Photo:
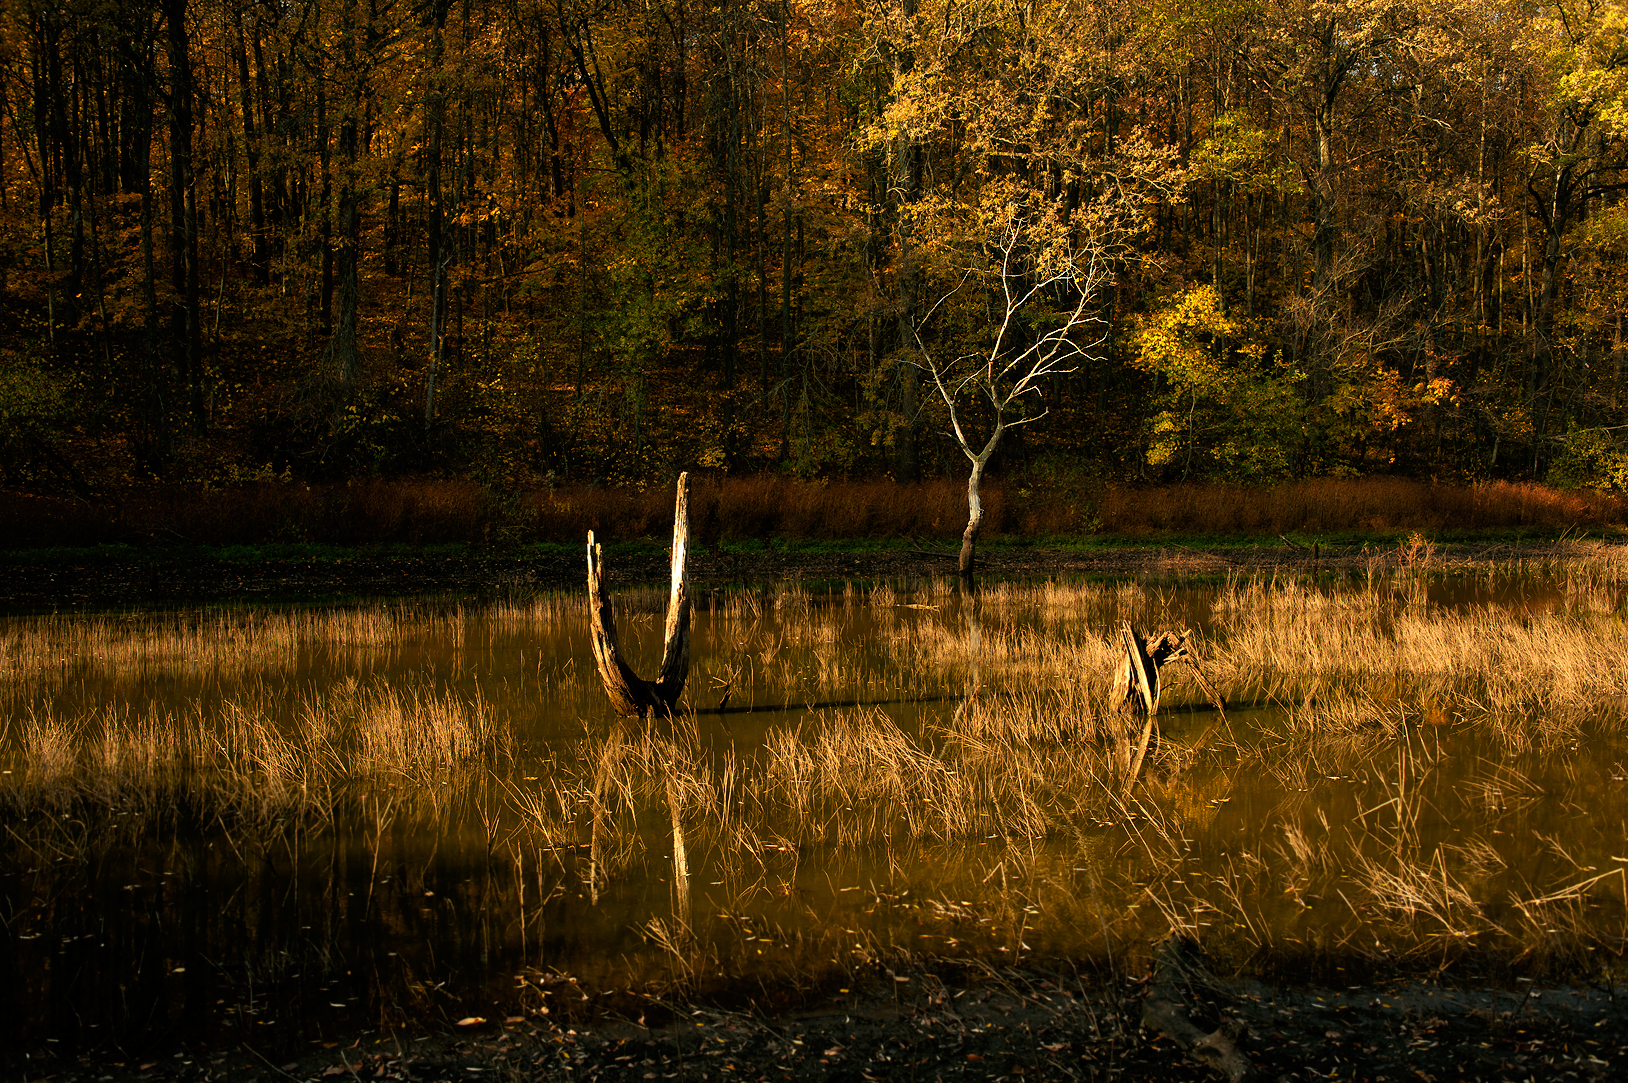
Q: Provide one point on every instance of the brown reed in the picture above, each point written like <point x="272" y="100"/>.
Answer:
<point x="1024" y="751"/>
<point x="422" y="511"/>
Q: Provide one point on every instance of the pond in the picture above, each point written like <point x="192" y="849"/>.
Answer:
<point x="279" y="826"/>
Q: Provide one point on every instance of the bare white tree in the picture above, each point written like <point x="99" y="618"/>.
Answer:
<point x="1044" y="279"/>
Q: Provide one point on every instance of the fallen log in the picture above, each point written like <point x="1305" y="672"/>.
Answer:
<point x="629" y="693"/>
<point x="1178" y="967"/>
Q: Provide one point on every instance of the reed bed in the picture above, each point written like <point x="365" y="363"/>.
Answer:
<point x="847" y="778"/>
<point x="1383" y="788"/>
<point x="238" y="761"/>
<point x="1352" y="504"/>
<point x="1420" y="880"/>
<point x="423" y="511"/>
<point x="226" y="642"/>
<point x="1337" y="657"/>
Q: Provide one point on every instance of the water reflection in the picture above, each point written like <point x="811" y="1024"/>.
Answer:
<point x="900" y="773"/>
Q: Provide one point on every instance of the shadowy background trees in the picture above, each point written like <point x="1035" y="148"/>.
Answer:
<point x="528" y="242"/>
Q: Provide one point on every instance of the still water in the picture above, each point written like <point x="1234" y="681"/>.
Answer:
<point x="875" y="778"/>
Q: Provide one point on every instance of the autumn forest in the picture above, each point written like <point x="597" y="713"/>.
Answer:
<point x="528" y="242"/>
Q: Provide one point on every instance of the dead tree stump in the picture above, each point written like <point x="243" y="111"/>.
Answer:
<point x="1136" y="683"/>
<point x="629" y="693"/>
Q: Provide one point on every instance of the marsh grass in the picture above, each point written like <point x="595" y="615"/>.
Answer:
<point x="1338" y="659"/>
<point x="228" y="643"/>
<point x="1351" y="505"/>
<point x="750" y="508"/>
<point x="238" y="762"/>
<point x="1384" y="789"/>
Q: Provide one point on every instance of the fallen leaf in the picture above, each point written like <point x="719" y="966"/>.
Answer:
<point x="332" y="1070"/>
<point x="471" y="1020"/>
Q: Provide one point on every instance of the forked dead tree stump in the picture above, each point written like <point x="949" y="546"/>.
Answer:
<point x="629" y="693"/>
<point x="1136" y="683"/>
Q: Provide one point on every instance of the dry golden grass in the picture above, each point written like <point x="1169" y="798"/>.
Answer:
<point x="1037" y="754"/>
<point x="241" y="759"/>
<point x="225" y="642"/>
<point x="1337" y="658"/>
<point x="972" y="738"/>
<point x="1378" y="656"/>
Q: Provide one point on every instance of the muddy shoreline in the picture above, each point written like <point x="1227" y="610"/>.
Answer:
<point x="47" y="585"/>
<point x="1009" y="1025"/>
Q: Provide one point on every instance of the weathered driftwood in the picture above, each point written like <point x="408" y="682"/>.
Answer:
<point x="1177" y="967"/>
<point x="1136" y="682"/>
<point x="630" y="694"/>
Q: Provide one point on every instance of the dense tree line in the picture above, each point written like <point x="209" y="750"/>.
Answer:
<point x="596" y="239"/>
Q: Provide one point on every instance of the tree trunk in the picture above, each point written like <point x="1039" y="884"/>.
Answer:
<point x="325" y="213"/>
<point x="785" y="243"/>
<point x="1555" y="222"/>
<point x="343" y="343"/>
<point x="437" y="333"/>
<point x="1137" y="683"/>
<point x="183" y="213"/>
<point x="975" y="505"/>
<point x="436" y="110"/>
<point x="906" y="181"/>
<point x="259" y="255"/>
<point x="629" y="694"/>
<point x="46" y="46"/>
<point x="545" y="92"/>
<point x="1322" y="201"/>
<point x="975" y="513"/>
